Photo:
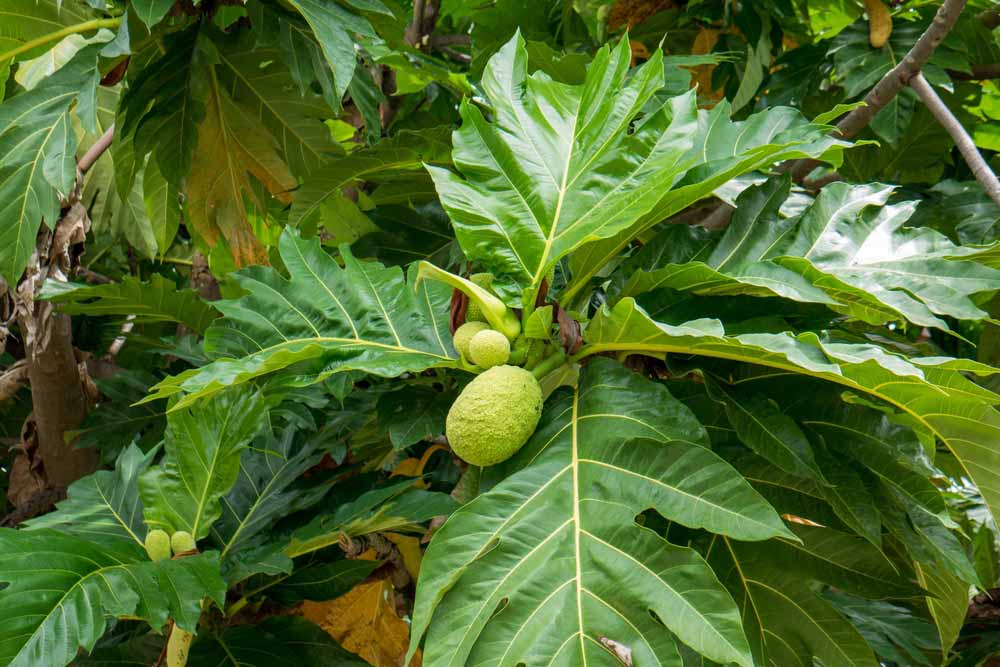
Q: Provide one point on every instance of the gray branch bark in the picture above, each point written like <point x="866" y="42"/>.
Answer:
<point x="889" y="86"/>
<point x="962" y="140"/>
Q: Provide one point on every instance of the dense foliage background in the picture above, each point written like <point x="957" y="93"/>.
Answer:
<point x="750" y="249"/>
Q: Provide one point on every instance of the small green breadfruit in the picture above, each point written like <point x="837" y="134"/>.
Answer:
<point x="494" y="415"/>
<point x="474" y="313"/>
<point x="489" y="348"/>
<point x="182" y="542"/>
<point x="464" y="334"/>
<point x="158" y="545"/>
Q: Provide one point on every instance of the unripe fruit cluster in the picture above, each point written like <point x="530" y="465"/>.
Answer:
<point x="160" y="545"/>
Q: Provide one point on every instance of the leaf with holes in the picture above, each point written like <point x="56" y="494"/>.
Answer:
<point x="550" y="560"/>
<point x="932" y="391"/>
<point x="60" y="590"/>
<point x="361" y="317"/>
<point x="202" y="462"/>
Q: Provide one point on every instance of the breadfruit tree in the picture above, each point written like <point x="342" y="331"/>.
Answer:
<point x="621" y="332"/>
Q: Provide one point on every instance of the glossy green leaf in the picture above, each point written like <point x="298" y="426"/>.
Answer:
<point x="202" y="447"/>
<point x="786" y="621"/>
<point x="567" y="169"/>
<point x="396" y="507"/>
<point x="61" y="589"/>
<point x="27" y="20"/>
<point x="554" y="547"/>
<point x="151" y="12"/>
<point x="762" y="427"/>
<point x="846" y="502"/>
<point x="158" y="300"/>
<point x="853" y="246"/>
<point x="38" y="148"/>
<point x="362" y="317"/>
<point x="258" y="79"/>
<point x="412" y="414"/>
<point x="161" y="110"/>
<point x="848" y="250"/>
<point x="894" y="632"/>
<point x="332" y="24"/>
<point x="32" y="72"/>
<point x="929" y="390"/>
<point x="103" y="507"/>
<point x="402" y="157"/>
<point x="948" y="602"/>
<point x="734" y="263"/>
<point x="265" y="489"/>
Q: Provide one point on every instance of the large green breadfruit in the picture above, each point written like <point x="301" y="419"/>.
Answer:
<point x="494" y="415"/>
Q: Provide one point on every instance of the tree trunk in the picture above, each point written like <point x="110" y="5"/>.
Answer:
<point x="57" y="397"/>
<point x="59" y="402"/>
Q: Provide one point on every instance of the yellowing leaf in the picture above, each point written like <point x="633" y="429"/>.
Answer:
<point x="364" y="621"/>
<point x="232" y="145"/>
<point x="414" y="467"/>
<point x="703" y="44"/>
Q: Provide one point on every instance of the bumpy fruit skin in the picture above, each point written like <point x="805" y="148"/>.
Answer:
<point x="489" y="348"/>
<point x="464" y="334"/>
<point x="494" y="415"/>
<point x="158" y="545"/>
<point x="474" y="313"/>
<point x="182" y="542"/>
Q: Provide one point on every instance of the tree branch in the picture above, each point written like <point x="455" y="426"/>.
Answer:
<point x="414" y="31"/>
<point x="889" y="86"/>
<point x="966" y="147"/>
<point x="94" y="152"/>
<point x="450" y="40"/>
<point x="457" y="56"/>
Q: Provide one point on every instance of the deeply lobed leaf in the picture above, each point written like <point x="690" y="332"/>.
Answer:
<point x="361" y="317"/>
<point x="60" y="590"/>
<point x="550" y="560"/>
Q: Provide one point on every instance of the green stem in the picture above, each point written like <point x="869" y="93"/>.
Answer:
<point x="86" y="26"/>
<point x="584" y="351"/>
<point x="176" y="260"/>
<point x="549" y="364"/>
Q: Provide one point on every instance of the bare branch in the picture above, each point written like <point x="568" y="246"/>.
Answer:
<point x="450" y="40"/>
<point x="95" y="151"/>
<point x="966" y="147"/>
<point x="414" y="31"/>
<point x="457" y="56"/>
<point x="119" y="342"/>
<point x="889" y="86"/>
